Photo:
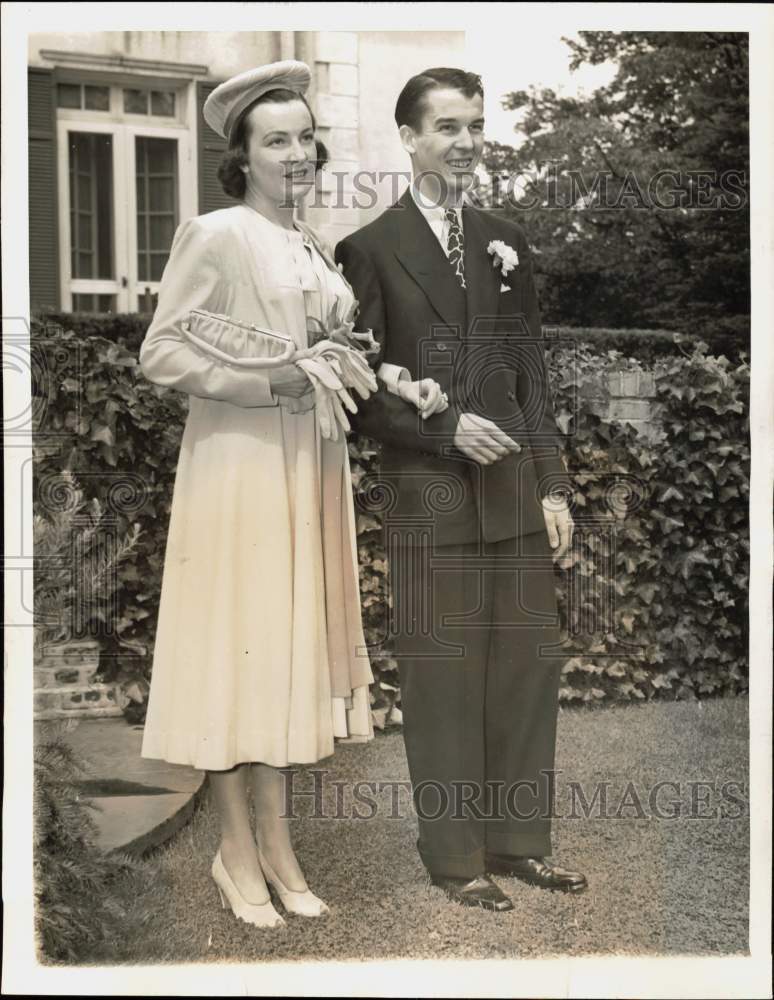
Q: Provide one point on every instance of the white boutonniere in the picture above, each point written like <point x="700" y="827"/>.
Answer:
<point x="505" y="257"/>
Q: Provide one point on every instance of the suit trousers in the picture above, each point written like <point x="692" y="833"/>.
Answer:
<point x="476" y="636"/>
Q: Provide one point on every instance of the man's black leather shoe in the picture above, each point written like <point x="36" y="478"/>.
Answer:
<point x="479" y="891"/>
<point x="536" y="871"/>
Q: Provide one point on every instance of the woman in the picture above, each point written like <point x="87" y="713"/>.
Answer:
<point x="260" y="658"/>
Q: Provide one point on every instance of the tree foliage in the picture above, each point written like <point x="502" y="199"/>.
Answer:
<point x="636" y="196"/>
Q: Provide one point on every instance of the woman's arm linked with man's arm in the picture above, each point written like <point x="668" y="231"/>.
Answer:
<point x="391" y="419"/>
<point x="388" y="415"/>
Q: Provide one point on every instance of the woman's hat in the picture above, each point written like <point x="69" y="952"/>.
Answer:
<point x="229" y="99"/>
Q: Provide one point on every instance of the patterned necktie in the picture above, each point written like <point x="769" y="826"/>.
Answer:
<point x="455" y="245"/>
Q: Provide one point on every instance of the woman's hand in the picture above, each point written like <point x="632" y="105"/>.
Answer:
<point x="426" y="395"/>
<point x="289" y="380"/>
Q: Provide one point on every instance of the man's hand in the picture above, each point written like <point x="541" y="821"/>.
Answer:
<point x="289" y="380"/>
<point x="426" y="395"/>
<point x="481" y="440"/>
<point x="559" y="525"/>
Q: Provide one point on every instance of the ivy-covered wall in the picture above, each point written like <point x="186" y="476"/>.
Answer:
<point x="655" y="602"/>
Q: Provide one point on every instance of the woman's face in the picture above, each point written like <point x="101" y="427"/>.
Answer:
<point x="281" y="153"/>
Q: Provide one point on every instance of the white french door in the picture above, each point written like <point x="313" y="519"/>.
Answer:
<point x="123" y="189"/>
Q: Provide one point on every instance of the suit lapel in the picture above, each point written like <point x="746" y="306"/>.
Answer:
<point x="421" y="255"/>
<point x="481" y="277"/>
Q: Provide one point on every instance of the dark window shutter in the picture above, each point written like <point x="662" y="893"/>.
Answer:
<point x="211" y="150"/>
<point x="43" y="215"/>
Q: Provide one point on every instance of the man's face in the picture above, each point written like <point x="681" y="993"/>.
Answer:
<point x="449" y="143"/>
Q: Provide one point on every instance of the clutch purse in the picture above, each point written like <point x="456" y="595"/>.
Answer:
<point x="241" y="345"/>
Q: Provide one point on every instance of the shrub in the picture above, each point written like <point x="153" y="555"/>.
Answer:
<point x="679" y="571"/>
<point x="655" y="600"/>
<point x="650" y="346"/>
<point x="77" y="902"/>
<point x="76" y="560"/>
<point x="676" y="561"/>
<point x="97" y="417"/>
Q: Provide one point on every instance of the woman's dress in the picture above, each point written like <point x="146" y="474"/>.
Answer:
<point x="259" y="654"/>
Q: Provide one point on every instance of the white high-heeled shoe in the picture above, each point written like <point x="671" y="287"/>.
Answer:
<point x="258" y="914"/>
<point x="305" y="903"/>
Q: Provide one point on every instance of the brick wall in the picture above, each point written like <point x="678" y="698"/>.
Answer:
<point x="627" y="395"/>
<point x="65" y="684"/>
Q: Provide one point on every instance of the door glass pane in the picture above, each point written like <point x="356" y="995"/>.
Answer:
<point x="93" y="303"/>
<point x="162" y="156"/>
<point x="163" y="103"/>
<point x="83" y="303"/>
<point x="162" y="193"/>
<point x="97" y="98"/>
<point x="91" y="204"/>
<point x="162" y="229"/>
<point x="157" y="200"/>
<point x="136" y="102"/>
<point x="68" y="95"/>
<point x="158" y="262"/>
<point x="84" y="189"/>
<point x="84" y="231"/>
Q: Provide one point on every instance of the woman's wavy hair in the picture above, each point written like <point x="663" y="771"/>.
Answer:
<point x="230" y="174"/>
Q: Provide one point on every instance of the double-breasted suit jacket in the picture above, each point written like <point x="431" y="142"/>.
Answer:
<point x="483" y="345"/>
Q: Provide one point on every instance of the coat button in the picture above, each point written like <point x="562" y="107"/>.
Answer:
<point x="441" y="347"/>
<point x="512" y="396"/>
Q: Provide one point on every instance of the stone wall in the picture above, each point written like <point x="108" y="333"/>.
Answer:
<point x="65" y="684"/>
<point x="626" y="395"/>
<point x="333" y="59"/>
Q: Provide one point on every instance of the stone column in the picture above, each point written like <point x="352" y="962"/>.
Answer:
<point x="333" y="58"/>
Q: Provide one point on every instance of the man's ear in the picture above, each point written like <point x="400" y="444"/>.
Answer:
<point x="407" y="138"/>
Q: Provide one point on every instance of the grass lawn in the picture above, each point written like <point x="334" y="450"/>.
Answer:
<point x="656" y="885"/>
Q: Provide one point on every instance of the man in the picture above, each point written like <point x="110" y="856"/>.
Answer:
<point x="476" y="505"/>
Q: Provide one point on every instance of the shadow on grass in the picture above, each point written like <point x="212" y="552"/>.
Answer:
<point x="658" y="884"/>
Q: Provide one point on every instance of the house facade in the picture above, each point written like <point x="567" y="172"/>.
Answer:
<point x="119" y="153"/>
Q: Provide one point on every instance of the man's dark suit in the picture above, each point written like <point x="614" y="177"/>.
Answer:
<point x="479" y="699"/>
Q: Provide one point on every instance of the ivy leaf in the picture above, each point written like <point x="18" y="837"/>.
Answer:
<point x="694" y="558"/>
<point x="101" y="432"/>
<point x="563" y="420"/>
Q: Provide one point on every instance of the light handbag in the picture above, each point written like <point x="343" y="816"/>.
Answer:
<point x="241" y="345"/>
<point x="332" y="367"/>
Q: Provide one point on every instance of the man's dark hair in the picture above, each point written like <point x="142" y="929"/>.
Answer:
<point x="411" y="101"/>
<point x="230" y="174"/>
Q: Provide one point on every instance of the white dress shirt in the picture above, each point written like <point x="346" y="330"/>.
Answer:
<point x="435" y="216"/>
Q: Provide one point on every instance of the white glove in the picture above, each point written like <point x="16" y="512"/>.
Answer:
<point x="329" y="394"/>
<point x="354" y="371"/>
